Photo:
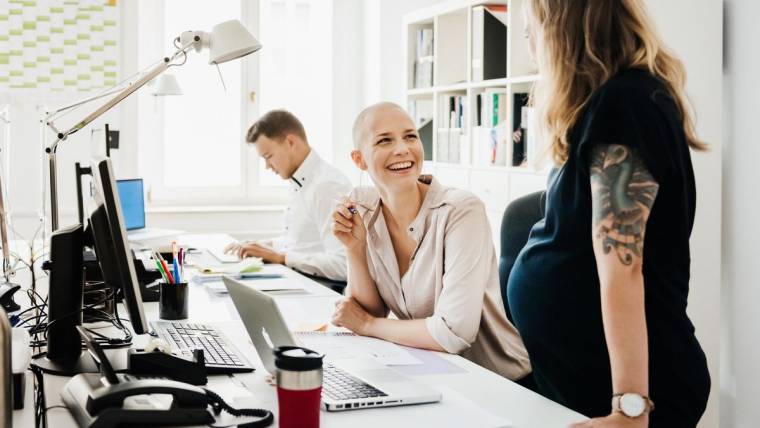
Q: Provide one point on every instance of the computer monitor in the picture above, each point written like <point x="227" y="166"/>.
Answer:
<point x="132" y="203"/>
<point x="115" y="254"/>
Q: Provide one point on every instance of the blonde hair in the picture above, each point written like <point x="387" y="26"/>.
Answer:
<point x="360" y="130"/>
<point x="582" y="44"/>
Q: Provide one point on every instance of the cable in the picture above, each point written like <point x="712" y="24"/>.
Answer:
<point x="216" y="402"/>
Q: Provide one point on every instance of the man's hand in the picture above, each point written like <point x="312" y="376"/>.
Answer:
<point x="351" y="315"/>
<point x="252" y="249"/>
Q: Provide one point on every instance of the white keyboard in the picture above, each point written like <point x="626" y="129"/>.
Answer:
<point x="218" y="253"/>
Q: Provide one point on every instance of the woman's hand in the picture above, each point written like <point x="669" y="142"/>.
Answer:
<point x="351" y="315"/>
<point x="348" y="226"/>
<point x="614" y="420"/>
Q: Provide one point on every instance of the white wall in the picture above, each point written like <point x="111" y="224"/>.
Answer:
<point x="740" y="365"/>
<point x="698" y="42"/>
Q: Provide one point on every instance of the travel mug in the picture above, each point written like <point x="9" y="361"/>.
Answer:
<point x="172" y="301"/>
<point x="299" y="386"/>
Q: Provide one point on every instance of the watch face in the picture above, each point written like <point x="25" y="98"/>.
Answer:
<point x="632" y="405"/>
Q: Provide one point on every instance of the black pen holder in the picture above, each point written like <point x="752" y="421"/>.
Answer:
<point x="172" y="301"/>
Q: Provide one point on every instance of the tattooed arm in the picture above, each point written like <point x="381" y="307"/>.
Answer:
<point x="623" y="192"/>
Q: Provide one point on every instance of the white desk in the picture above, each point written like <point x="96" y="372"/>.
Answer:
<point x="475" y="388"/>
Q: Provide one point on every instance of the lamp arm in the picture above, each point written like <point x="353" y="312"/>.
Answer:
<point x="121" y="94"/>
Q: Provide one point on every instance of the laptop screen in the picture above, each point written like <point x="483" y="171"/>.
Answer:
<point x="132" y="203"/>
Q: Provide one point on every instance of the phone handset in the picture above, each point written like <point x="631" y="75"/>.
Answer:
<point x="185" y="395"/>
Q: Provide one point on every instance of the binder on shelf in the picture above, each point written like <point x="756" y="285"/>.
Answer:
<point x="531" y="140"/>
<point x="426" y="136"/>
<point x="423" y="72"/>
<point x="519" y="127"/>
<point x="489" y="42"/>
<point x="449" y="145"/>
<point x="423" y="64"/>
<point x="490" y="146"/>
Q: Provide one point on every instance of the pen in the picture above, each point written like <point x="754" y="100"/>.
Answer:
<point x="351" y="209"/>
<point x="161" y="270"/>
<point x="182" y="262"/>
<point x="168" y="274"/>
<point x="177" y="276"/>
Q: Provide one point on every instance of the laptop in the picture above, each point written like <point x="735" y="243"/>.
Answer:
<point x="131" y="195"/>
<point x="348" y="384"/>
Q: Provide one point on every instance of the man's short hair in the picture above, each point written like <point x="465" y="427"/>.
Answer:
<point x="276" y="124"/>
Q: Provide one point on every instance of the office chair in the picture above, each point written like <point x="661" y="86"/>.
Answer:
<point x="519" y="218"/>
<point x="337" y="286"/>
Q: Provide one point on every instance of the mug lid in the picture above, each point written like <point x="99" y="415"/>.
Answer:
<point x="297" y="358"/>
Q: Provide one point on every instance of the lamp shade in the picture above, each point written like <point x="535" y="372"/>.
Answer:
<point x="166" y="84"/>
<point x="230" y="40"/>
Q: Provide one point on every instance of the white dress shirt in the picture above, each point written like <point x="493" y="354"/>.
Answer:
<point x="308" y="242"/>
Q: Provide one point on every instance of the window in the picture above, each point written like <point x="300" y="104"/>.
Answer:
<point x="296" y="68"/>
<point x="203" y="127"/>
<point x="199" y="156"/>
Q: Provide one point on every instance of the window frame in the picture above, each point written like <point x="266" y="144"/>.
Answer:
<point x="249" y="191"/>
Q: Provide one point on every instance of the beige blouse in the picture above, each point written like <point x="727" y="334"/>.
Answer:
<point x="452" y="281"/>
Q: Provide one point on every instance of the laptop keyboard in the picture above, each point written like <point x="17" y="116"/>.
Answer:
<point x="339" y="385"/>
<point x="220" y="356"/>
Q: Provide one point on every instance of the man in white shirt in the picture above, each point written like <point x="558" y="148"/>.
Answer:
<point x="308" y="244"/>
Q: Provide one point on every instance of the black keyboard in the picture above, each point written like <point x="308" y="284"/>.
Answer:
<point x="221" y="357"/>
<point x="340" y="385"/>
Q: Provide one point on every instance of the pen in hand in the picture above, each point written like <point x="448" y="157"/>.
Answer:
<point x="351" y="208"/>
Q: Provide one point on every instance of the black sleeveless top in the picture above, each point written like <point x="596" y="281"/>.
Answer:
<point x="554" y="290"/>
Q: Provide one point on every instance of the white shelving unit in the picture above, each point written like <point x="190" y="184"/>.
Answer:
<point x="451" y="22"/>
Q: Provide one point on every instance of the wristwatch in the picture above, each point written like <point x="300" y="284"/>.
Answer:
<point x="631" y="404"/>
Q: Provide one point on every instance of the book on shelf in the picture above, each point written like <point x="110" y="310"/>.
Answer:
<point x="489" y="42"/>
<point x="492" y="107"/>
<point x="454" y="108"/>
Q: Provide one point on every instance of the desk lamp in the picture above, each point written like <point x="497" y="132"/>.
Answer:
<point x="227" y="41"/>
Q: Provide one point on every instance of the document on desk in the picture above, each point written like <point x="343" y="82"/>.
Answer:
<point x="341" y="345"/>
<point x="268" y="283"/>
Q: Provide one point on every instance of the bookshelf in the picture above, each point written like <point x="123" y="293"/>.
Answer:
<point x="463" y="151"/>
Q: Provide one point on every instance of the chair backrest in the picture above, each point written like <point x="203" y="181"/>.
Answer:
<point x="519" y="218"/>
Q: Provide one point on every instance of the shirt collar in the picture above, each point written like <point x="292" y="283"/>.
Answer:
<point x="368" y="200"/>
<point x="304" y="174"/>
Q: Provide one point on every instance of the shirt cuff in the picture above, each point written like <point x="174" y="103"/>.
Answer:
<point x="295" y="260"/>
<point x="442" y="334"/>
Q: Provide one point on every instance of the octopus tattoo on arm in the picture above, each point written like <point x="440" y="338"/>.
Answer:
<point x="622" y="192"/>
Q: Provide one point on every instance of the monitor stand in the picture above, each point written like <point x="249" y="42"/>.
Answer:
<point x="64" y="346"/>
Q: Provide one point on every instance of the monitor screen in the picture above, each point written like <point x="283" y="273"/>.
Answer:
<point x="115" y="254"/>
<point x="132" y="203"/>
